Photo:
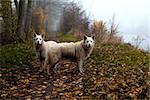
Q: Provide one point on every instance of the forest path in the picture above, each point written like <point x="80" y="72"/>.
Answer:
<point x="29" y="83"/>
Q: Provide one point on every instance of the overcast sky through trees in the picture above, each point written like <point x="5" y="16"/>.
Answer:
<point x="133" y="16"/>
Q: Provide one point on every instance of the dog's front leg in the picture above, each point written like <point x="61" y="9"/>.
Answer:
<point x="45" y="65"/>
<point x="41" y="65"/>
<point x="80" y="65"/>
<point x="41" y="62"/>
<point x="37" y="55"/>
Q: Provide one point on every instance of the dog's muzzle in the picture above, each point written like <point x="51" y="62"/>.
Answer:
<point x="38" y="42"/>
<point x="88" y="46"/>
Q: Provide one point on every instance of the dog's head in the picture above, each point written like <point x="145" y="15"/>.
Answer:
<point x="38" y="39"/>
<point x="89" y="41"/>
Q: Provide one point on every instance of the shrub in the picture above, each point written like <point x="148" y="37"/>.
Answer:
<point x="105" y="33"/>
<point x="15" y="55"/>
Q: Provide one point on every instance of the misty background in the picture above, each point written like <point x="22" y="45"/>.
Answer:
<point x="131" y="17"/>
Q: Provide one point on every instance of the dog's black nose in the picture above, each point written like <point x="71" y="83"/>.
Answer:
<point x="88" y="46"/>
<point x="38" y="42"/>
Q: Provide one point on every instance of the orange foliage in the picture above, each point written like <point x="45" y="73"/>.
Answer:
<point x="99" y="27"/>
<point x="104" y="34"/>
<point x="100" y="30"/>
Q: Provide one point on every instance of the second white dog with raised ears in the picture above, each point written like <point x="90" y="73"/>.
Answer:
<point x="79" y="51"/>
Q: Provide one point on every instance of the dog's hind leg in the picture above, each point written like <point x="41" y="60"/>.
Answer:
<point x="48" y="70"/>
<point x="52" y="67"/>
<point x="55" y="67"/>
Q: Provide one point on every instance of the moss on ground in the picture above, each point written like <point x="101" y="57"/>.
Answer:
<point x="15" y="56"/>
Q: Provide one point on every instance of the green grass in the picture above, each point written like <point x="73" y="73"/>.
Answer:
<point x="14" y="56"/>
<point x="66" y="38"/>
<point x="120" y="54"/>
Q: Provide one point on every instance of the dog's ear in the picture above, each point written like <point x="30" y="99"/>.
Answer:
<point x="35" y="34"/>
<point x="93" y="37"/>
<point x="42" y="35"/>
<point x="85" y="37"/>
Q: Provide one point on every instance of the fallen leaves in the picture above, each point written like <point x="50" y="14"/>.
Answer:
<point x="25" y="81"/>
<point x="119" y="72"/>
<point x="29" y="84"/>
<point x="107" y="76"/>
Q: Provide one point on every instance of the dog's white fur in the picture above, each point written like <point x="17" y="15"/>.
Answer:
<point x="47" y="51"/>
<point x="51" y="52"/>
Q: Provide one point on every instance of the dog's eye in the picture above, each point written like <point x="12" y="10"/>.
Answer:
<point x="36" y="39"/>
<point x="40" y="39"/>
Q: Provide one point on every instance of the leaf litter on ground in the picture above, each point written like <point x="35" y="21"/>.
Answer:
<point x="114" y="71"/>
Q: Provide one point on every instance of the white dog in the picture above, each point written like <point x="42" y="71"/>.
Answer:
<point x="47" y="51"/>
<point x="51" y="52"/>
<point x="79" y="51"/>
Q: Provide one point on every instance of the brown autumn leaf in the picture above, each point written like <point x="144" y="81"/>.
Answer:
<point x="25" y="81"/>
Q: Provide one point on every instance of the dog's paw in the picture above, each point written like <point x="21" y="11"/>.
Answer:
<point x="48" y="73"/>
<point x="41" y="69"/>
<point x="81" y="70"/>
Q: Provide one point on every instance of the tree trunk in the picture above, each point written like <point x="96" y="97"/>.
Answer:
<point x="28" y="20"/>
<point x="21" y="20"/>
<point x="16" y="5"/>
<point x="6" y="36"/>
